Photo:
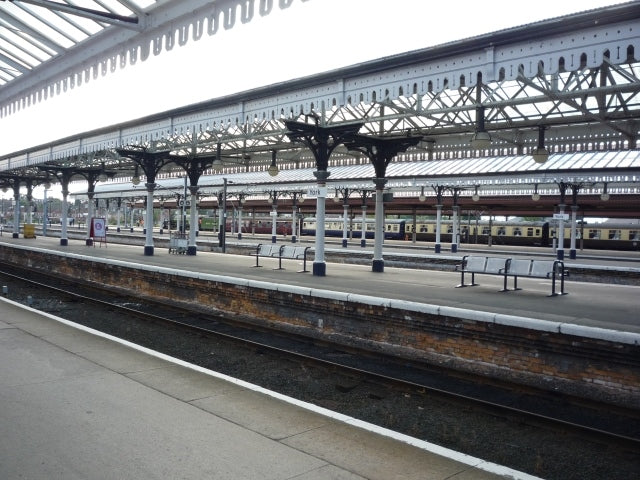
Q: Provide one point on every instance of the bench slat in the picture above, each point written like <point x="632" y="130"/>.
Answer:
<point x="542" y="268"/>
<point x="495" y="265"/>
<point x="519" y="266"/>
<point x="475" y="264"/>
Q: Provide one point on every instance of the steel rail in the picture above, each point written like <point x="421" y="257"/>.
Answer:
<point x="531" y="417"/>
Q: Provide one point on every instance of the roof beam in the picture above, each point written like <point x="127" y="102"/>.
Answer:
<point x="23" y="27"/>
<point x="12" y="63"/>
<point x="90" y="13"/>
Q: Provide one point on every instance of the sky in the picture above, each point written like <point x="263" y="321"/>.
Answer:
<point x="299" y="41"/>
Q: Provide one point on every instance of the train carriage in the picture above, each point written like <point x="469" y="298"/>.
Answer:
<point x="393" y="229"/>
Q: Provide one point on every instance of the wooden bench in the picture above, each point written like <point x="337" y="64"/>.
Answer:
<point x="281" y="251"/>
<point x="509" y="267"/>
<point x="488" y="265"/>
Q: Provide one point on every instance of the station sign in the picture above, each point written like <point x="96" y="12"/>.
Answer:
<point x="561" y="216"/>
<point x="317" y="192"/>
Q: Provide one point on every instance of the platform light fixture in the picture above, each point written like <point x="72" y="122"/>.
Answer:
<point x="216" y="165"/>
<point x="273" y="168"/>
<point x="540" y="154"/>
<point x="604" y="196"/>
<point x="475" y="197"/>
<point x="136" y="177"/>
<point x="481" y="140"/>
<point x="422" y="196"/>
<point x="535" y="196"/>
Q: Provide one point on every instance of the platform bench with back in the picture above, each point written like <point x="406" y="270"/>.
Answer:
<point x="521" y="267"/>
<point x="282" y="251"/>
<point x="488" y="265"/>
<point x="509" y="267"/>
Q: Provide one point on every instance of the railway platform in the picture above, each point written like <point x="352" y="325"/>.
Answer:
<point x="600" y="305"/>
<point x="78" y="404"/>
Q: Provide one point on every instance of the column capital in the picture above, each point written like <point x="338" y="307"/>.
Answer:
<point x="380" y="183"/>
<point x="321" y="175"/>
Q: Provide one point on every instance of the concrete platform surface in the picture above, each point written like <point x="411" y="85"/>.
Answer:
<point x="76" y="404"/>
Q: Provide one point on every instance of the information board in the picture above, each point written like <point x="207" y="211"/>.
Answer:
<point x="98" y="231"/>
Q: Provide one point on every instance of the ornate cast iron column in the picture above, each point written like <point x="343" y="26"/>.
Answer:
<point x="194" y="168"/>
<point x="151" y="163"/>
<point x="380" y="151"/>
<point x="321" y="141"/>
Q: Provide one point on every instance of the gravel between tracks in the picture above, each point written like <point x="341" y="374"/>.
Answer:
<point x="526" y="448"/>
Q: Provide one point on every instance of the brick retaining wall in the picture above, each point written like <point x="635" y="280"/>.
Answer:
<point x="588" y="362"/>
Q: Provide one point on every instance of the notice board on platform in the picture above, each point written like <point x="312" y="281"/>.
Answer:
<point x="98" y="231"/>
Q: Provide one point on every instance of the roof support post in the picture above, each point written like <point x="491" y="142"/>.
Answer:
<point x="151" y="163"/>
<point x="194" y="167"/>
<point x="380" y="151"/>
<point x="321" y="140"/>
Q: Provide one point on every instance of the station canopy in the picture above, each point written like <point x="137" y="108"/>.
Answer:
<point x="576" y="95"/>
<point x="35" y="32"/>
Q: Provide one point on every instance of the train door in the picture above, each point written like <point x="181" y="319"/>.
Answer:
<point x="544" y="238"/>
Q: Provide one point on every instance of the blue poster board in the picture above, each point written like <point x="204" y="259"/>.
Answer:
<point x="98" y="231"/>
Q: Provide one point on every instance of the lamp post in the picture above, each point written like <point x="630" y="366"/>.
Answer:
<point x="296" y="198"/>
<point x="273" y="199"/>
<point x="560" y="252"/>
<point x="363" y="235"/>
<point x="575" y="188"/>
<point x="241" y="200"/>
<point x="223" y="226"/>
<point x="345" y="212"/>
<point x="455" y="236"/>
<point x="438" y="189"/>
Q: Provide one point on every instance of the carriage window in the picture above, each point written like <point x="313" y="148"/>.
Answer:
<point x="449" y="229"/>
<point x="634" y="235"/>
<point x="595" y="234"/>
<point x="424" y="228"/>
<point x="502" y="231"/>
<point x="529" y="232"/>
<point x="517" y="232"/>
<point x="614" y="234"/>
<point x="486" y="231"/>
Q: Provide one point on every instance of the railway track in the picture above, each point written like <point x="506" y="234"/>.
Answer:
<point x="367" y="386"/>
